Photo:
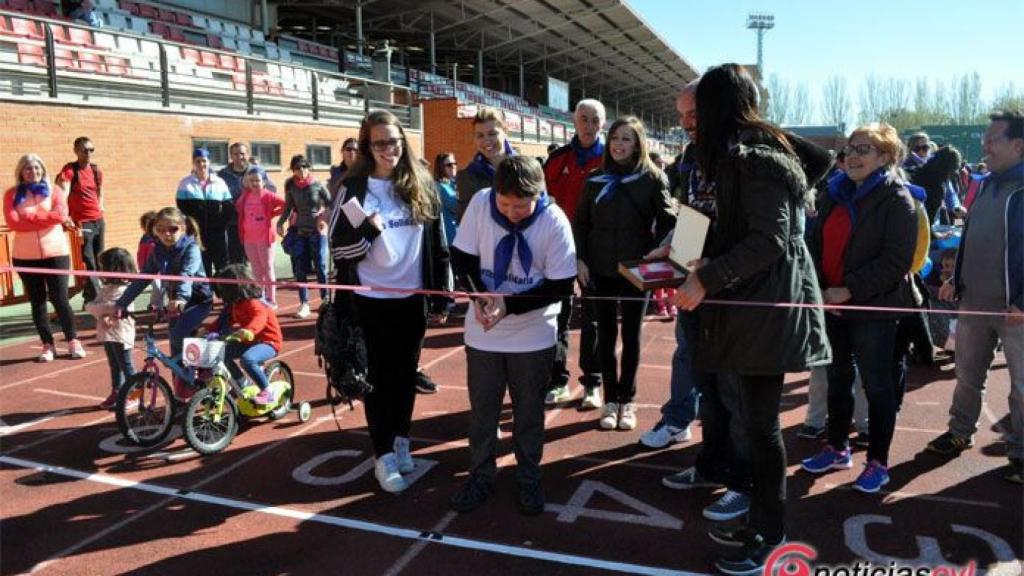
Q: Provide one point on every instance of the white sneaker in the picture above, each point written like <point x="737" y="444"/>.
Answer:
<point x="303" y="311"/>
<point x="610" y="416"/>
<point x="627" y="416"/>
<point x="386" y="470"/>
<point x="592" y="398"/>
<point x="402" y="455"/>
<point x="665" y="435"/>
<point x="75" y="348"/>
<point x="558" y="395"/>
<point x="47" y="354"/>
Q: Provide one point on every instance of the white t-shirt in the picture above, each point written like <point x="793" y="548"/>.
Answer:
<point x="554" y="258"/>
<point x="395" y="257"/>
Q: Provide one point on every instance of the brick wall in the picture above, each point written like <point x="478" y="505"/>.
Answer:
<point x="449" y="133"/>
<point x="144" y="155"/>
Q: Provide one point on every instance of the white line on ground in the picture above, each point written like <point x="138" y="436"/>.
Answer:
<point x="921" y="430"/>
<point x="656" y="367"/>
<point x="68" y="394"/>
<point x="350" y="523"/>
<point x="444" y="356"/>
<point x="896" y="496"/>
<point x="418" y="547"/>
<point x="5" y="430"/>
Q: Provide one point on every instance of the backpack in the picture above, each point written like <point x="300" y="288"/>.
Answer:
<point x="341" y="350"/>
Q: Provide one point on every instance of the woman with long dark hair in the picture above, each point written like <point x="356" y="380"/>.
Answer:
<point x="399" y="245"/>
<point x="755" y="253"/>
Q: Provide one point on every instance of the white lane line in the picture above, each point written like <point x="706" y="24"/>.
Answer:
<point x="896" y="496"/>
<point x="656" y="367"/>
<point x="929" y="403"/>
<point x="353" y="524"/>
<point x="5" y="430"/>
<point x="51" y="375"/>
<point x="68" y="394"/>
<point x="605" y="463"/>
<point x="159" y="505"/>
<point x="920" y="430"/>
<point x="295" y="351"/>
<point x="444" y="356"/>
<point x="418" y="547"/>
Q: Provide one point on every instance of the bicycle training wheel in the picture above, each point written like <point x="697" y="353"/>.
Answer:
<point x="145" y="409"/>
<point x="207" y="429"/>
<point x="278" y="371"/>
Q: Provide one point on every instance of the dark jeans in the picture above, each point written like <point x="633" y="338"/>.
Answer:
<point x="724" y="453"/>
<point x="215" y="251"/>
<point x="92" y="247"/>
<point x="312" y="259"/>
<point x="119" y="359"/>
<point x="253" y="356"/>
<point x="760" y="396"/>
<point x="683" y="403"/>
<point x="589" y="365"/>
<point x="869" y="344"/>
<point x="525" y="375"/>
<point x="52" y="287"/>
<point x="619" y="385"/>
<point x="393" y="329"/>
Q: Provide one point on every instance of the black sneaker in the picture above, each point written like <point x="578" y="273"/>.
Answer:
<point x="949" y="444"/>
<point x="732" y="536"/>
<point x="424" y="385"/>
<point x="749" y="560"/>
<point x="810" y="432"/>
<point x="472" y="495"/>
<point x="531" y="499"/>
<point x="862" y="440"/>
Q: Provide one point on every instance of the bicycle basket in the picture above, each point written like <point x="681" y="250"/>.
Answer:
<point x="202" y="353"/>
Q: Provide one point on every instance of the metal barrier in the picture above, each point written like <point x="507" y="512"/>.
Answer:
<point x="42" y="58"/>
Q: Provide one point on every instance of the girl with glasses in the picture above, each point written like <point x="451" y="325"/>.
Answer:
<point x="399" y="245"/>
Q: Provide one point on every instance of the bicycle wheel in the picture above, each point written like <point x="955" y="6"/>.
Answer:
<point x="207" y="429"/>
<point x="145" y="409"/>
<point x="279" y="371"/>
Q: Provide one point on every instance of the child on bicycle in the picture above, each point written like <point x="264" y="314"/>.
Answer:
<point x="177" y="253"/>
<point x="254" y="334"/>
<point x="117" y="334"/>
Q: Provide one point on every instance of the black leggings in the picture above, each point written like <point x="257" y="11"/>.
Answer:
<point x="54" y="287"/>
<point x="760" y="396"/>
<point x="394" y="330"/>
<point x="619" y="382"/>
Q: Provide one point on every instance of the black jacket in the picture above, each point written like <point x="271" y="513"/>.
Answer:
<point x="933" y="175"/>
<point x="758" y="254"/>
<point x="620" y="228"/>
<point x="436" y="258"/>
<point x="876" y="265"/>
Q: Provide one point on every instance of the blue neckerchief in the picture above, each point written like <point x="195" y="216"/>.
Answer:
<point x="24" y="189"/>
<point x="514" y="241"/>
<point x="482" y="167"/>
<point x="585" y="155"/>
<point x="917" y="192"/>
<point x="843" y="190"/>
<point x="611" y="183"/>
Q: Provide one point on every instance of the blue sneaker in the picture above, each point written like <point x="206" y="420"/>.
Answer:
<point x="828" y="459"/>
<point x="872" y="478"/>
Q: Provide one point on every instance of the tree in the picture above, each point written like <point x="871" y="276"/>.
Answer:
<point x="835" y="101"/>
<point x="778" y="106"/>
<point x="965" y="102"/>
<point x="801" y="109"/>
<point x="1007" y="97"/>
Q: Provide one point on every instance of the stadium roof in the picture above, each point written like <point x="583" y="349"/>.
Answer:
<point x="603" y="48"/>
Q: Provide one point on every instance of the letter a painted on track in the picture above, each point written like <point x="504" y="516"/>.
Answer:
<point x="304" y="473"/>
<point x="646" y="515"/>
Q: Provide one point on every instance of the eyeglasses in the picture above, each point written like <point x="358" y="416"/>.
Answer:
<point x="88" y="150"/>
<point x="350" y="149"/>
<point x="922" y="148"/>
<point x="167" y="229"/>
<point x="858" y="149"/>
<point x="301" y="166"/>
<point x="384" y="145"/>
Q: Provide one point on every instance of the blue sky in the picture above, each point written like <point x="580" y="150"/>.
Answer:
<point x="815" y="39"/>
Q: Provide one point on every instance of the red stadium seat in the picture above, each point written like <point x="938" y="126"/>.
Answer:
<point x="183" y="19"/>
<point x="45" y="8"/>
<point x="167" y="15"/>
<point x="90" y="62"/>
<point x="160" y="29"/>
<point x="214" y="41"/>
<point x="31" y="54"/>
<point x="176" y="34"/>
<point x="26" y="28"/>
<point x="227" y="62"/>
<point x="80" y="36"/>
<point x="147" y="11"/>
<point x="117" y="66"/>
<point x="19" y="5"/>
<point x="209" y="59"/>
<point x="192" y="55"/>
<point x="130" y="6"/>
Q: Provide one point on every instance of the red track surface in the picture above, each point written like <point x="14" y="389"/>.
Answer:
<point x="253" y="510"/>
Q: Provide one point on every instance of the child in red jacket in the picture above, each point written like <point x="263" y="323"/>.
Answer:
<point x="254" y="335"/>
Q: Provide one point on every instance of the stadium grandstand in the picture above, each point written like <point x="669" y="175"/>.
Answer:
<point x="162" y="77"/>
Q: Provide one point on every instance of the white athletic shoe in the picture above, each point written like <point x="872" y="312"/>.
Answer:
<point x="665" y="435"/>
<point x="609" y="416"/>
<point x="627" y="416"/>
<point x="592" y="398"/>
<point x="386" y="470"/>
<point x="303" y="311"/>
<point x="558" y="395"/>
<point x="402" y="455"/>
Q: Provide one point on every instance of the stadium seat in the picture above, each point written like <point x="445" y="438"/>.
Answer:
<point x="177" y="35"/>
<point x="32" y="54"/>
<point x="80" y="36"/>
<point x="244" y="47"/>
<point x="18" y="5"/>
<point x="26" y="28"/>
<point x="160" y="29"/>
<point x="168" y="16"/>
<point x="230" y="44"/>
<point x="90" y="62"/>
<point x="209" y="59"/>
<point x="106" y="4"/>
<point x="214" y="26"/>
<point x="139" y="25"/>
<point x="183" y="19"/>
<point x="148" y="11"/>
<point x="130" y="6"/>
<point x="117" y="66"/>
<point x="214" y="41"/>
<point x="228" y="62"/>
<point x="191" y="55"/>
<point x="257" y="36"/>
<point x="115" y="20"/>
<point x="198" y="21"/>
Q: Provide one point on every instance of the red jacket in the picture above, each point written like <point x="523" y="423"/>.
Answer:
<point x="256" y="317"/>
<point x="36" y="222"/>
<point x="565" y="178"/>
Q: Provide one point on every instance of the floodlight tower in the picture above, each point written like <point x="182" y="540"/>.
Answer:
<point x="760" y="21"/>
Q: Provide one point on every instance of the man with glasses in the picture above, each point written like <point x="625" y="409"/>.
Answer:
<point x="989" y="277"/>
<point x="82" y="181"/>
<point x="232" y="175"/>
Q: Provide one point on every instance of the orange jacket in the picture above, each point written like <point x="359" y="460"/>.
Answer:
<point x="253" y="315"/>
<point x="36" y="222"/>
